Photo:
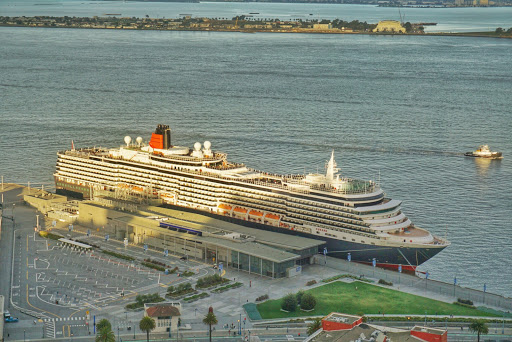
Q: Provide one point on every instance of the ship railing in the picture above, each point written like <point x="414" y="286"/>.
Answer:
<point x="217" y="157"/>
<point x="274" y="180"/>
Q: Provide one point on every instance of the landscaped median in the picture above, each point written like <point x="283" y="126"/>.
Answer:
<point x="227" y="287"/>
<point x="360" y="298"/>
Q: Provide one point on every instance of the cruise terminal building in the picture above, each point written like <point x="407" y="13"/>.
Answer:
<point x="199" y="237"/>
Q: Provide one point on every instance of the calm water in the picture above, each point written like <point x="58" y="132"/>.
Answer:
<point x="402" y="107"/>
<point x="448" y="19"/>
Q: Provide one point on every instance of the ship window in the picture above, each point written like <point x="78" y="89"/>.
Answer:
<point x="353" y="239"/>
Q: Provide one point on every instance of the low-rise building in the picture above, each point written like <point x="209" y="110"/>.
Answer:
<point x="166" y="315"/>
<point x="392" y="26"/>
<point x="337" y="327"/>
<point x="322" y="26"/>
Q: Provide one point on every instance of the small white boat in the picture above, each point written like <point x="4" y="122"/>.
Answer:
<point x="484" y="152"/>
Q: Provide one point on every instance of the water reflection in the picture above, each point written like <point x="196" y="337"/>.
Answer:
<point x="484" y="165"/>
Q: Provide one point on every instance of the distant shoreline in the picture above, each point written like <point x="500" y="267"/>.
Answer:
<point x="213" y="25"/>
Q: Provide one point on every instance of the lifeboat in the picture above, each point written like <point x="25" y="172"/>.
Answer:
<point x="255" y="213"/>
<point x="272" y="217"/>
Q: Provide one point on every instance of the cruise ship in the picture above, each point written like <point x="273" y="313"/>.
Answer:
<point x="353" y="217"/>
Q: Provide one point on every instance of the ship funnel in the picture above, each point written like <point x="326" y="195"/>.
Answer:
<point x="127" y="140"/>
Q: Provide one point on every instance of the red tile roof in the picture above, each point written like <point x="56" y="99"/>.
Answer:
<point x="163" y="310"/>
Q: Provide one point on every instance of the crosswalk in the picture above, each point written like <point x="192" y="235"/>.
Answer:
<point x="49" y="328"/>
<point x="64" y="319"/>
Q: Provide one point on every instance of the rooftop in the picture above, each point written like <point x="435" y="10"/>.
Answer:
<point x="162" y="310"/>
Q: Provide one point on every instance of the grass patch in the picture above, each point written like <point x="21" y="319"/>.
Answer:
<point x="227" y="287"/>
<point x="369" y="299"/>
<point x="197" y="296"/>
<point x="187" y="274"/>
<point x="117" y="255"/>
<point x="48" y="235"/>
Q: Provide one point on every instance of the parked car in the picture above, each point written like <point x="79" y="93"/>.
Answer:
<point x="11" y="319"/>
<point x="185" y="257"/>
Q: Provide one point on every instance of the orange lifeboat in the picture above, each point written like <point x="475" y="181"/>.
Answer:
<point x="225" y="207"/>
<point x="240" y="211"/>
<point x="255" y="213"/>
<point x="272" y="217"/>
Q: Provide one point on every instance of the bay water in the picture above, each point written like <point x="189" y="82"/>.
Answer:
<point x="398" y="109"/>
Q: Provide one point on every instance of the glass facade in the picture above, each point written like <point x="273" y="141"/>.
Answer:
<point x="259" y="265"/>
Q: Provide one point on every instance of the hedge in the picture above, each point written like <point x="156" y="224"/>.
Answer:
<point x="117" y="255"/>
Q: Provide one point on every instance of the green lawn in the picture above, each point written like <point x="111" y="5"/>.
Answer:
<point x="367" y="299"/>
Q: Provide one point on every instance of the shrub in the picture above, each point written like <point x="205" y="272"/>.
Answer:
<point x="289" y="302"/>
<point x="262" y="298"/>
<point x="155" y="267"/>
<point x="308" y="301"/>
<point x="142" y="299"/>
<point x="311" y="282"/>
<point x="299" y="296"/>
<point x="383" y="282"/>
<point x="465" y="305"/>
<point x="210" y="280"/>
<point x="465" y="301"/>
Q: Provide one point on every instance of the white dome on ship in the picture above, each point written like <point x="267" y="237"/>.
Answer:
<point x="127" y="140"/>
<point x="207" y="145"/>
<point x="197" y="146"/>
<point x="139" y="140"/>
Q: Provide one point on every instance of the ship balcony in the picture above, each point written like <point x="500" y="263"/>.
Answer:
<point x="397" y="225"/>
<point x="387" y="221"/>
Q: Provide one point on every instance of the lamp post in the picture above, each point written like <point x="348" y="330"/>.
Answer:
<point x="240" y="325"/>
<point x="134" y="331"/>
<point x="349" y="258"/>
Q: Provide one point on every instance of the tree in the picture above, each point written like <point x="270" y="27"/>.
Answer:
<point x="308" y="302"/>
<point x="479" y="327"/>
<point x="299" y="296"/>
<point x="210" y="319"/>
<point x="104" y="323"/>
<point x="314" y="326"/>
<point x="105" y="334"/>
<point x="289" y="302"/>
<point x="147" y="324"/>
<point x="499" y="30"/>
<point x="408" y="27"/>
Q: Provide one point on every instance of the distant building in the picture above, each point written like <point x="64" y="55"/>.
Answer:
<point x="389" y="26"/>
<point x="338" y="327"/>
<point x="166" y="315"/>
<point x="322" y="26"/>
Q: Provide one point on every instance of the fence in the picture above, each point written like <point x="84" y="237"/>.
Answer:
<point x="430" y="288"/>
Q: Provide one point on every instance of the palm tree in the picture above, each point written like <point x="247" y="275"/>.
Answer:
<point x="479" y="327"/>
<point x="105" y="334"/>
<point x="104" y="323"/>
<point x="210" y="320"/>
<point x="147" y="324"/>
<point x="314" y="326"/>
